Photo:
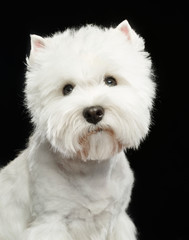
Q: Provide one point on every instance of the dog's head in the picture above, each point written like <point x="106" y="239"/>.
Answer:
<point x="90" y="91"/>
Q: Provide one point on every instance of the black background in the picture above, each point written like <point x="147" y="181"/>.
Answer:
<point x="160" y="197"/>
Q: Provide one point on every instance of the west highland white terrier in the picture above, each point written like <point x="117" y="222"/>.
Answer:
<point x="90" y="93"/>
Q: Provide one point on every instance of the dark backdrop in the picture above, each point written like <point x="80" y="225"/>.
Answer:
<point x="160" y="197"/>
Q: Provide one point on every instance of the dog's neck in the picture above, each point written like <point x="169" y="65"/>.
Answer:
<point x="92" y="168"/>
<point x="45" y="155"/>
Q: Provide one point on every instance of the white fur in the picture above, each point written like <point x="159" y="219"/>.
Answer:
<point x="73" y="182"/>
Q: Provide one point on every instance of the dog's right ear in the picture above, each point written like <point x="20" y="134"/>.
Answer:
<point x="37" y="44"/>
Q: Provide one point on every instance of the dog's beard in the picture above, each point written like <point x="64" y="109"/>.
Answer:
<point x="98" y="144"/>
<point x="86" y="143"/>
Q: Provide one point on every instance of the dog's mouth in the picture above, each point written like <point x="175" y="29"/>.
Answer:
<point x="95" y="130"/>
<point x="98" y="143"/>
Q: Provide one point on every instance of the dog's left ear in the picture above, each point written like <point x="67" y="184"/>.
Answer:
<point x="37" y="44"/>
<point x="125" y="28"/>
<point x="131" y="35"/>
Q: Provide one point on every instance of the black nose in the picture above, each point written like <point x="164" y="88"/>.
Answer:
<point x="93" y="114"/>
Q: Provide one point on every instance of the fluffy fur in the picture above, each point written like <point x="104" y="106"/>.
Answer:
<point x="73" y="182"/>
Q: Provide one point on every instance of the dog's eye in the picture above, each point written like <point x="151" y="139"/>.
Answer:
<point x="68" y="88"/>
<point x="110" y="81"/>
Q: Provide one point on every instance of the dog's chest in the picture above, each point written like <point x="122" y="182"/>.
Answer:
<point x="88" y="192"/>
<point x="95" y="196"/>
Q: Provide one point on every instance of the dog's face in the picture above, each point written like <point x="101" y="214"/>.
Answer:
<point x="89" y="90"/>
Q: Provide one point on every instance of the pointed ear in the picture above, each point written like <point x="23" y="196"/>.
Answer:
<point x="132" y="36"/>
<point x="125" y="28"/>
<point x="37" y="44"/>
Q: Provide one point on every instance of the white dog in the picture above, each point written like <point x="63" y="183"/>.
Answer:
<point x="90" y="93"/>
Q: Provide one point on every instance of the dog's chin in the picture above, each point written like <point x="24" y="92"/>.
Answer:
<point x="98" y="144"/>
<point x="93" y="143"/>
